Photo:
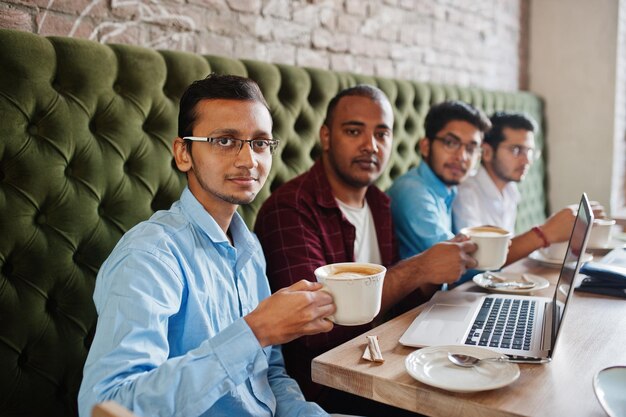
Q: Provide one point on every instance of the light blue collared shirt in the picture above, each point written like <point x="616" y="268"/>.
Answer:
<point x="421" y="206"/>
<point x="171" y="339"/>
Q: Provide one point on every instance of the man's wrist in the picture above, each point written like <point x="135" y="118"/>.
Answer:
<point x="540" y="233"/>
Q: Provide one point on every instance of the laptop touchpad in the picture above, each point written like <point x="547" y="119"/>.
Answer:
<point x="448" y="312"/>
<point x="444" y="324"/>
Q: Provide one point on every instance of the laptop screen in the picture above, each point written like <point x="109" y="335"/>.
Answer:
<point x="571" y="264"/>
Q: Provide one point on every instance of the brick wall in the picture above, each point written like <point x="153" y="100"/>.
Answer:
<point x="465" y="42"/>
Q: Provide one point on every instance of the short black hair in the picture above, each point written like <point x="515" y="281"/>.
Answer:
<point x="501" y="120"/>
<point x="216" y="87"/>
<point x="360" y="90"/>
<point x="441" y="114"/>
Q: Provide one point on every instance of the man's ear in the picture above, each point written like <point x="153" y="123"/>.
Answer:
<point x="488" y="153"/>
<point x="325" y="138"/>
<point x="424" y="146"/>
<point x="182" y="155"/>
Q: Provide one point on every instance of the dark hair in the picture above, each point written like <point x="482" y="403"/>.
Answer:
<point x="214" y="86"/>
<point x="441" y="114"/>
<point x="500" y="120"/>
<point x="361" y="90"/>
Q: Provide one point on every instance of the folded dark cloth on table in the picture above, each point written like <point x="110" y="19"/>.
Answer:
<point x="607" y="277"/>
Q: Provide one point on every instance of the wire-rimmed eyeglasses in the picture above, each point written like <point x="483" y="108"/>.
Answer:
<point x="452" y="144"/>
<point x="232" y="146"/>
<point x="517" y="151"/>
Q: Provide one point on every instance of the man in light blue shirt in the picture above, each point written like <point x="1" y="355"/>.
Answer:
<point x="187" y="325"/>
<point x="421" y="199"/>
<point x="422" y="216"/>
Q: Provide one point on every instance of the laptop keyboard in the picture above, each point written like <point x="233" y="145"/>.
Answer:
<point x="504" y="323"/>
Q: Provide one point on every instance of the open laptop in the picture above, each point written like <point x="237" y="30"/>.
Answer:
<point x="523" y="327"/>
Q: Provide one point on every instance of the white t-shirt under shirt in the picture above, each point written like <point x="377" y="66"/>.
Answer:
<point x="366" y="242"/>
<point x="479" y="202"/>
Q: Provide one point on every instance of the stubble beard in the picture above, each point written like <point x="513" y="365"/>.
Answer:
<point x="346" y="177"/>
<point x="499" y="171"/>
<point x="448" y="183"/>
<point x="232" y="199"/>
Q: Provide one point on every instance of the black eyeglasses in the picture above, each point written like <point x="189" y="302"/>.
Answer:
<point x="452" y="144"/>
<point x="226" y="145"/>
<point x="531" y="154"/>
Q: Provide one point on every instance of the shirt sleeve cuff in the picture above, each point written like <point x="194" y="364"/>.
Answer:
<point x="238" y="350"/>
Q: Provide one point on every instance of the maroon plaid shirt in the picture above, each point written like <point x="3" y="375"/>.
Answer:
<point x="301" y="228"/>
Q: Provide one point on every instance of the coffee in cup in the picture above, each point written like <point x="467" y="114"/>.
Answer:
<point x="356" y="288"/>
<point x="493" y="245"/>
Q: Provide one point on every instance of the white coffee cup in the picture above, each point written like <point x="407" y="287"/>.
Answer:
<point x="493" y="245"/>
<point x="357" y="290"/>
<point x="600" y="236"/>
<point x="555" y="251"/>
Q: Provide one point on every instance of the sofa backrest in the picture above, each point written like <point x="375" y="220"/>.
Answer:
<point x="85" y="154"/>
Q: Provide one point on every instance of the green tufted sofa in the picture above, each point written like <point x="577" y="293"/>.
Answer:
<point x="85" y="134"/>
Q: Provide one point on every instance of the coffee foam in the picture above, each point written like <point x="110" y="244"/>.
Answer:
<point x="348" y="275"/>
<point x="351" y="272"/>
<point x="485" y="231"/>
<point x="487" y="234"/>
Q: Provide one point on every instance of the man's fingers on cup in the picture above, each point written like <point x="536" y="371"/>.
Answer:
<point x="327" y="325"/>
<point x="327" y="310"/>
<point x="304" y="285"/>
<point x="323" y="297"/>
<point x="320" y="325"/>
<point x="470" y="263"/>
<point x="323" y="325"/>
<point x="468" y="246"/>
<point x="459" y="238"/>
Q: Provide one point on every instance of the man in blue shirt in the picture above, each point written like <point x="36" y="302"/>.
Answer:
<point x="187" y="325"/>
<point x="421" y="199"/>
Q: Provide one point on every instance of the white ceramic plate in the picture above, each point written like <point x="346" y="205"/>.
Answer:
<point x="554" y="263"/>
<point x="609" y="385"/>
<point x="431" y="366"/>
<point x="540" y="282"/>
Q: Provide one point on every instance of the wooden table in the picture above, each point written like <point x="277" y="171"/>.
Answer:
<point x="594" y="337"/>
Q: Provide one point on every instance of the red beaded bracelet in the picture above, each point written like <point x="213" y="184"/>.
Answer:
<point x="542" y="235"/>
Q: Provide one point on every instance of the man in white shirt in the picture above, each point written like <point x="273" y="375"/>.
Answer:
<point x="491" y="196"/>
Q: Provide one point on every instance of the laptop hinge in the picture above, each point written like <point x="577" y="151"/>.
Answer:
<point x="546" y="334"/>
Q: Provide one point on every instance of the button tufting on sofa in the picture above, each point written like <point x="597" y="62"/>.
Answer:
<point x="7" y="269"/>
<point x="110" y="132"/>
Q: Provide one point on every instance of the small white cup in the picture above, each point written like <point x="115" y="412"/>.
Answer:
<point x="555" y="251"/>
<point x="357" y="290"/>
<point x="600" y="236"/>
<point x="493" y="245"/>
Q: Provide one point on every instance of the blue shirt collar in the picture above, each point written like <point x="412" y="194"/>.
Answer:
<point x="440" y="189"/>
<point x="242" y="238"/>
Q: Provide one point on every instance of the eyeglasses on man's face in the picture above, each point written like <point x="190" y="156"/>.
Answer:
<point x="226" y="145"/>
<point x="452" y="144"/>
<point x="517" y="151"/>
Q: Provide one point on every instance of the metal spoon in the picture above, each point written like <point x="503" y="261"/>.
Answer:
<point x="468" y="361"/>
<point x="503" y="283"/>
<point x="511" y="284"/>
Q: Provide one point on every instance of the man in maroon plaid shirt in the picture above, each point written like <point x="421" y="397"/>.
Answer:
<point x="334" y="213"/>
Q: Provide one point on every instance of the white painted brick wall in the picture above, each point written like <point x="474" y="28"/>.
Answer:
<point x="464" y="42"/>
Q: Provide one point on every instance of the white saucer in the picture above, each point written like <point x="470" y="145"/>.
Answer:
<point x="609" y="385"/>
<point x="540" y="282"/>
<point x="554" y="263"/>
<point x="431" y="366"/>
